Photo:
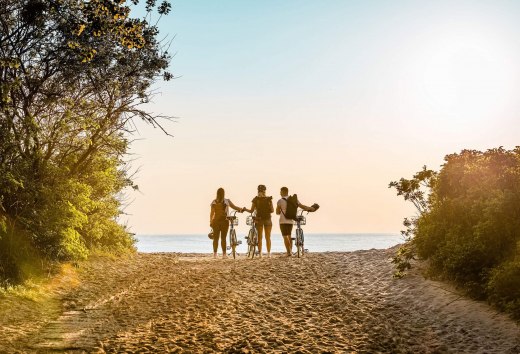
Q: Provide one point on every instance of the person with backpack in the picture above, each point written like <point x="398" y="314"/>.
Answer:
<point x="218" y="222"/>
<point x="264" y="208"/>
<point x="287" y="208"/>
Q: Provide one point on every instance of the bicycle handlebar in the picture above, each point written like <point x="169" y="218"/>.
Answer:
<point x="233" y="220"/>
<point x="314" y="206"/>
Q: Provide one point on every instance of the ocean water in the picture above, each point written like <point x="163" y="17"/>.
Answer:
<point x="313" y="242"/>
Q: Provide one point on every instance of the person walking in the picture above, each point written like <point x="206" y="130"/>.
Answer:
<point x="218" y="222"/>
<point x="263" y="205"/>
<point x="286" y="224"/>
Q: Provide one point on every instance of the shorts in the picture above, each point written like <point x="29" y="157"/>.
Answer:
<point x="263" y="222"/>
<point x="286" y="229"/>
<point x="219" y="224"/>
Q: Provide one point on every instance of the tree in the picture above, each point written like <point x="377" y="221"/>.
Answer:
<point x="74" y="74"/>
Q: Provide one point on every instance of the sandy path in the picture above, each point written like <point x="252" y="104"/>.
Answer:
<point x="332" y="302"/>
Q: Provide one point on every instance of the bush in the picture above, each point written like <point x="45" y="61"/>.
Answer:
<point x="469" y="225"/>
<point x="504" y="287"/>
<point x="19" y="259"/>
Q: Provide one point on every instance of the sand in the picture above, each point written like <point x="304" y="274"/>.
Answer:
<point x="325" y="302"/>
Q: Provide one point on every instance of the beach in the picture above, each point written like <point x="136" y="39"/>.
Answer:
<point x="324" y="302"/>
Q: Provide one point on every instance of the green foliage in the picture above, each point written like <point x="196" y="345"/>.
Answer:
<point x="504" y="287"/>
<point x="403" y="258"/>
<point x="469" y="225"/>
<point x="73" y="74"/>
<point x="414" y="190"/>
<point x="18" y="257"/>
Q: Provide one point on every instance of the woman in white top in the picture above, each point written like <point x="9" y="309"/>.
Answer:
<point x="218" y="222"/>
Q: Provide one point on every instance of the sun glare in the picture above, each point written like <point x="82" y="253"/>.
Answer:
<point x="468" y="75"/>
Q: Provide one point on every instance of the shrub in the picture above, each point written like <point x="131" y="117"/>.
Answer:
<point x="503" y="287"/>
<point x="469" y="223"/>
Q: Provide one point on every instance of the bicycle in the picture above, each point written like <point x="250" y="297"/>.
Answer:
<point x="252" y="237"/>
<point x="301" y="220"/>
<point x="233" y="241"/>
<point x="299" y="238"/>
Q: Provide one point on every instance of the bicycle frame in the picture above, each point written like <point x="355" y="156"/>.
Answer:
<point x="300" y="220"/>
<point x="233" y="241"/>
<point x="252" y="237"/>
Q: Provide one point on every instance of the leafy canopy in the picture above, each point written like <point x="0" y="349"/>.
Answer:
<point x="73" y="76"/>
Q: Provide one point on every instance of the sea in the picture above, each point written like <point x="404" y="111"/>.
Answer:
<point x="314" y="242"/>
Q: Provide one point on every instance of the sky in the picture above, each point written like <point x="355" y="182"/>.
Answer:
<point x="333" y="99"/>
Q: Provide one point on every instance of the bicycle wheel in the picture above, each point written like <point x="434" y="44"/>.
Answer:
<point x="252" y="241"/>
<point x="302" y="239"/>
<point x="299" y="242"/>
<point x="249" y="243"/>
<point x="255" y="243"/>
<point x="233" y="241"/>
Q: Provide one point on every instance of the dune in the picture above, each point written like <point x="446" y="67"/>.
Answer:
<point x="324" y="302"/>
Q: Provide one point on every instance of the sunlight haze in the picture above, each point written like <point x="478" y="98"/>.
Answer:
<point x="333" y="99"/>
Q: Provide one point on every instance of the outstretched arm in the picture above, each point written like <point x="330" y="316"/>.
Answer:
<point x="304" y="207"/>
<point x="235" y="207"/>
<point x="253" y="208"/>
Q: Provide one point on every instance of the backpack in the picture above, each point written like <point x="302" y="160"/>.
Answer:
<point x="292" y="207"/>
<point x="220" y="210"/>
<point x="263" y="207"/>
